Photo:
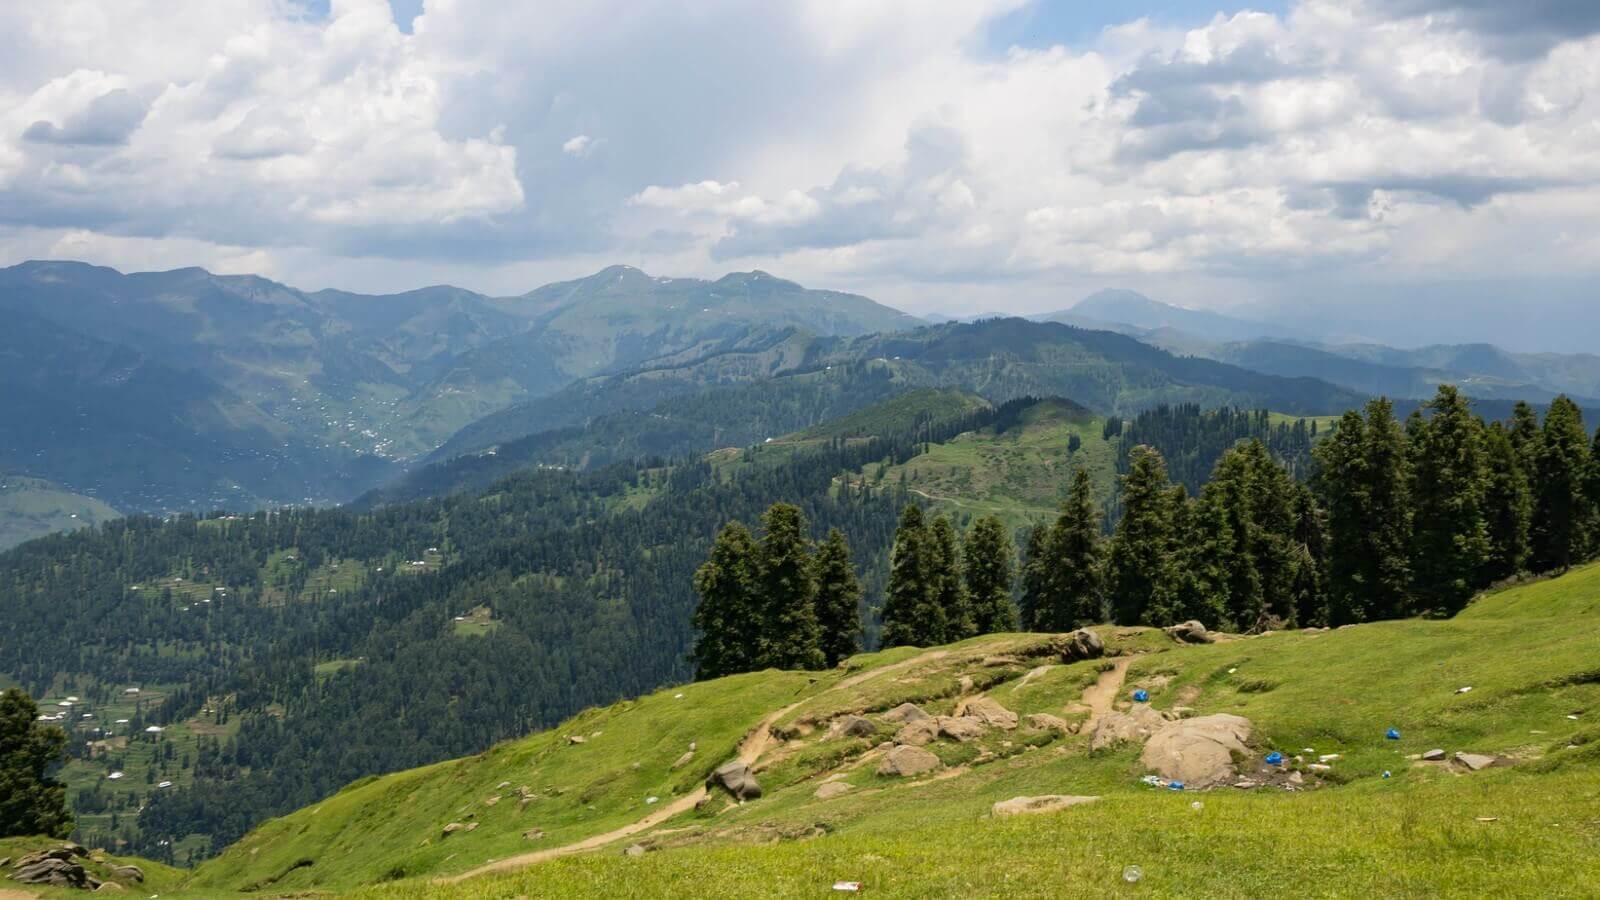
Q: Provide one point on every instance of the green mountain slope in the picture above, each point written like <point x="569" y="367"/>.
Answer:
<point x="1372" y="817"/>
<point x="31" y="507"/>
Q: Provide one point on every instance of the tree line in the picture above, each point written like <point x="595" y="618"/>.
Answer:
<point x="1395" y="519"/>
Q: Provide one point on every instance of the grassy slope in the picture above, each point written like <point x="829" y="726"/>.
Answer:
<point x="1020" y="473"/>
<point x="1529" y="654"/>
<point x="33" y="507"/>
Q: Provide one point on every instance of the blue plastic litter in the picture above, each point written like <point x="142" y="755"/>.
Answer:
<point x="1393" y="735"/>
<point x="1274" y="758"/>
<point x="1386" y="773"/>
<point x="1175" y="786"/>
<point x="1141" y="695"/>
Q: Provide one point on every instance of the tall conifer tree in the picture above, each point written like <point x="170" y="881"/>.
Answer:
<point x="1139" y="568"/>
<point x="838" y="599"/>
<point x="1559" y="505"/>
<point x="31" y="802"/>
<point x="950" y="592"/>
<point x="1074" y="552"/>
<point x="1508" y="505"/>
<point x="726" y="617"/>
<point x="1034" y="601"/>
<point x="787" y="591"/>
<point x="1449" y="481"/>
<point x="911" y="612"/>
<point x="1388" y="512"/>
<point x="986" y="557"/>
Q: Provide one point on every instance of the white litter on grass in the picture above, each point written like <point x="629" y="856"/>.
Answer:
<point x="650" y="800"/>
<point x="1132" y="874"/>
<point x="114" y="776"/>
<point x="1328" y="757"/>
<point x="1463" y="690"/>
<point x="850" y="886"/>
<point x="677" y="696"/>
<point x="1573" y="717"/>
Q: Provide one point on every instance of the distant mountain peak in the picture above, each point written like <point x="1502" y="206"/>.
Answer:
<point x="1113" y="307"/>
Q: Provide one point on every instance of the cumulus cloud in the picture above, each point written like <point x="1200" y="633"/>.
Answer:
<point x="870" y="144"/>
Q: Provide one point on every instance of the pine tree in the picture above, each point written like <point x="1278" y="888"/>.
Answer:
<point x="1507" y="505"/>
<point x="838" y="599"/>
<point x="1561" y="466"/>
<point x="987" y="569"/>
<point x="911" y="612"/>
<point x="31" y="801"/>
<point x="1034" y="601"/>
<point x="1139" y="568"/>
<point x="950" y="593"/>
<point x="1361" y="480"/>
<point x="727" y="617"/>
<point x="1311" y="560"/>
<point x="786" y="591"/>
<point x="1591" y="496"/>
<point x="1523" y="433"/>
<point x="1074" y="550"/>
<point x="1449" y="480"/>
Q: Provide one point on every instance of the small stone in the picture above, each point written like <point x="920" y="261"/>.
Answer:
<point x="1474" y="761"/>
<point x="1434" y="755"/>
<point x="684" y="760"/>
<point x="634" y="850"/>
<point x="576" y="739"/>
<point x="906" y="760"/>
<point x="532" y="834"/>
<point x="992" y="714"/>
<point x="1047" y="722"/>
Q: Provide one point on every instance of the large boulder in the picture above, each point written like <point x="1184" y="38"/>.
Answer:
<point x="905" y="761"/>
<point x="906" y="712"/>
<point x="992" y="713"/>
<point x="852" y="726"/>
<point x="736" y="778"/>
<point x="833" y="789"/>
<point x="1136" y="725"/>
<point x="1190" y="632"/>
<point x="1078" y="645"/>
<point x="1022" y="806"/>
<point x="55" y="872"/>
<point x="1198" y="752"/>
<point x="961" y="728"/>
<point x="919" y="732"/>
<point x="132" y="873"/>
<point x="1047" y="722"/>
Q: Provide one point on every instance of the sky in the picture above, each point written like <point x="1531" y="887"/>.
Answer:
<point x="1405" y="170"/>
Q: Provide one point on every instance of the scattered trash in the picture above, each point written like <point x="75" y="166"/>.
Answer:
<point x="1132" y="874"/>
<point x="1328" y="757"/>
<point x="677" y="696"/>
<point x="1174" y="785"/>
<point x="1274" y="758"/>
<point x="1141" y="695"/>
<point x="650" y="800"/>
<point x="1197" y="806"/>
<point x="1573" y="717"/>
<point x="1488" y="818"/>
<point x="1152" y="780"/>
<point x="1463" y="690"/>
<point x="850" y="886"/>
<point x="1320" y="767"/>
<point x="1393" y="734"/>
<point x="1386" y="773"/>
<point x="1231" y="671"/>
<point x="1308" y="750"/>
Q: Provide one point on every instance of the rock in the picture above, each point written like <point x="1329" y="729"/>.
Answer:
<point x="1020" y="806"/>
<point x="1137" y="725"/>
<point x="1474" y="761"/>
<point x="852" y="726"/>
<point x="965" y="683"/>
<point x="918" y="732"/>
<point x="1190" y="632"/>
<point x="1434" y="755"/>
<point x="684" y="760"/>
<point x="906" y="761"/>
<point x="989" y="661"/>
<point x="634" y="850"/>
<point x="532" y="834"/>
<point x="906" y="712"/>
<point x="961" y="728"/>
<point x="992" y="713"/>
<point x="1182" y="712"/>
<point x="132" y="873"/>
<point x="576" y="739"/>
<point x="1081" y="644"/>
<point x="472" y="826"/>
<point x="55" y="872"/>
<point x="1198" y="752"/>
<point x="736" y="778"/>
<point x="490" y="801"/>
<point x="1047" y="722"/>
<point x="833" y="789"/>
<point x="502" y="785"/>
<point x="450" y="829"/>
<point x="109" y="886"/>
<point x="1296" y="778"/>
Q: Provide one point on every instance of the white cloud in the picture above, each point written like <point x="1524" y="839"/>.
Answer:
<point x="871" y="144"/>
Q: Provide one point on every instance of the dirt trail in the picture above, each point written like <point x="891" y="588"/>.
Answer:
<point x="757" y="742"/>
<point x="1100" y="696"/>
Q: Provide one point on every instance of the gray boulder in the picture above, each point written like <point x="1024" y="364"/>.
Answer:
<point x="833" y="789"/>
<point x="852" y="726"/>
<point x="736" y="778"/>
<point x="1190" y="632"/>
<point x="1047" y="722"/>
<point x="1022" y="806"/>
<point x="919" y="732"/>
<point x="54" y="872"/>
<point x="1198" y="752"/>
<point x="1474" y="761"/>
<point x="1078" y="645"/>
<point x="905" y="761"/>
<point x="961" y="728"/>
<point x="992" y="713"/>
<point x="906" y="712"/>
<point x="132" y="873"/>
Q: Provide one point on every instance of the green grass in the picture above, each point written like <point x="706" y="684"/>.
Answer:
<point x="33" y="507"/>
<point x="1018" y="474"/>
<point x="1530" y="653"/>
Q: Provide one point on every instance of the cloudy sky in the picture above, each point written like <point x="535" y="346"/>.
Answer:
<point x="1405" y="169"/>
